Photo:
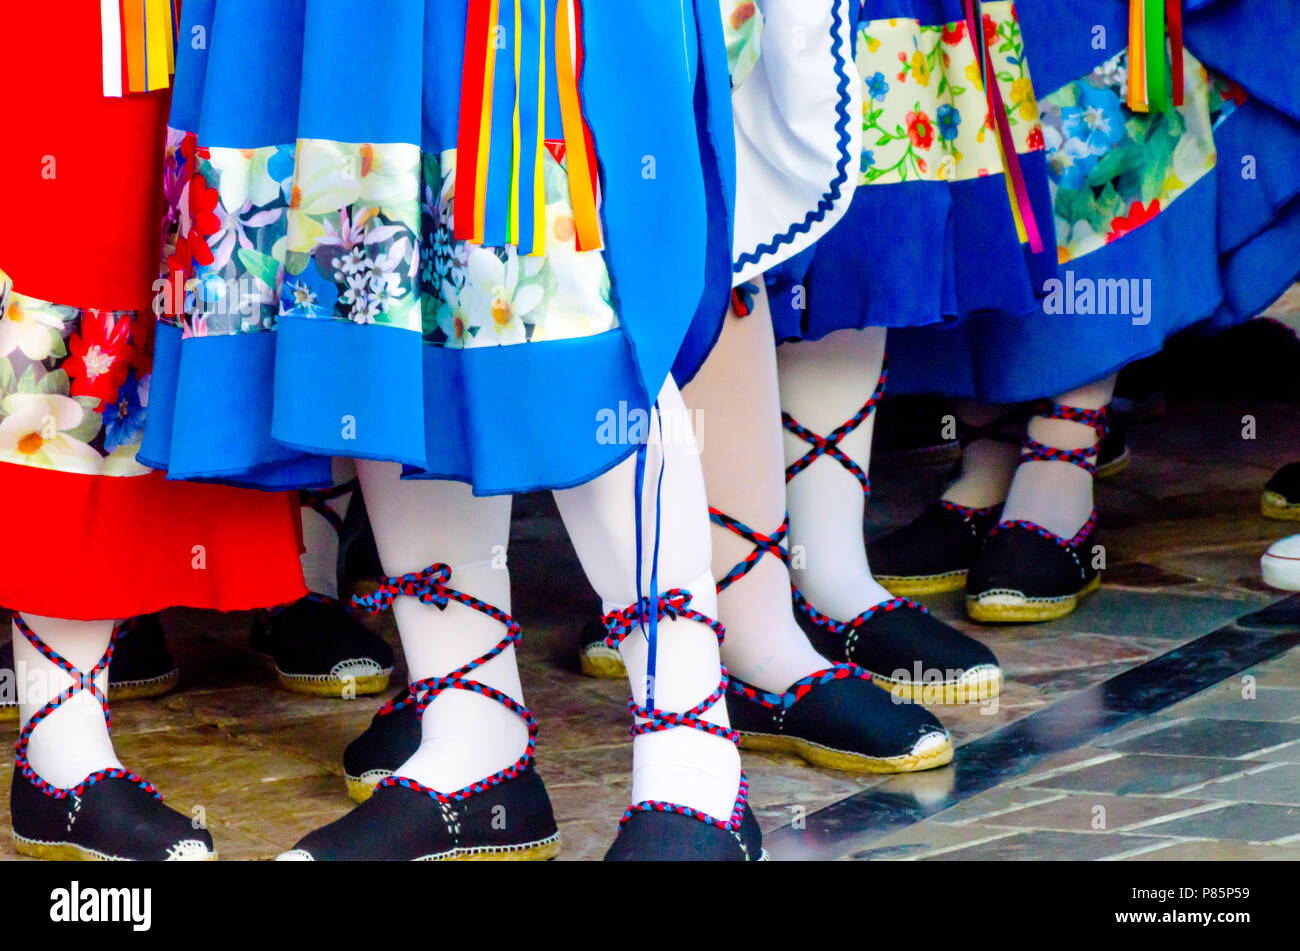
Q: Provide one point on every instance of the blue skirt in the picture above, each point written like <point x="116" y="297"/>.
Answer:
<point x="1164" y="221"/>
<point x="324" y="301"/>
<point x="933" y="234"/>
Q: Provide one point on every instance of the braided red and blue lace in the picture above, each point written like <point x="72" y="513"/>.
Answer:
<point x="430" y="587"/>
<point x="82" y="681"/>
<point x="674" y="604"/>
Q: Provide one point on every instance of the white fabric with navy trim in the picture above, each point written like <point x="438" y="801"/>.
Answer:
<point x="798" y="132"/>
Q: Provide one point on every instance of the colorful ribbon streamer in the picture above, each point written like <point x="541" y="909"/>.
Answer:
<point x="138" y="38"/>
<point x="500" y="187"/>
<point x="1148" y="75"/>
<point x="1017" y="190"/>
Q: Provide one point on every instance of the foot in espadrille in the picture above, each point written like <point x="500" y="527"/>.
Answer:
<point x="836" y="719"/>
<point x="932" y="553"/>
<point x="114" y="818"/>
<point x="671" y="835"/>
<point x="896" y="640"/>
<point x="1281" y="498"/>
<point x="111" y="814"/>
<point x="595" y="657"/>
<point x="390" y="740"/>
<point x="319" y="648"/>
<point x="908" y="651"/>
<point x="656" y="829"/>
<point x="1025" y="572"/>
<point x="406" y="822"/>
<point x="506" y="815"/>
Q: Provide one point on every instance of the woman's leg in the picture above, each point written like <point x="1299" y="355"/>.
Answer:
<point x="829" y="391"/>
<point x="681" y="765"/>
<point x="735" y="396"/>
<point x="465" y="736"/>
<point x="71" y="796"/>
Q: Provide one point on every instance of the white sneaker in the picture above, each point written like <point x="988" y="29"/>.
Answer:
<point x="1281" y="564"/>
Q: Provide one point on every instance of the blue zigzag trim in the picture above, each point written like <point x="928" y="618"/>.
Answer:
<point x="841" y="173"/>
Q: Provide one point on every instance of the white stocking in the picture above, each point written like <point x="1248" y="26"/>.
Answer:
<point x="465" y="736"/>
<point x="73" y="741"/>
<point x="1058" y="495"/>
<point x="682" y="765"/>
<point x="735" y="399"/>
<point x="824" y="383"/>
<point x="987" y="465"/>
<point x="320" y="557"/>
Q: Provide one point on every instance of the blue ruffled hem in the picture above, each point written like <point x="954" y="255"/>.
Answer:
<point x="1217" y="256"/>
<point x="328" y="406"/>
<point x="916" y="254"/>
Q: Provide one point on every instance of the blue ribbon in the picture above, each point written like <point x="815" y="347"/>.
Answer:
<point x="648" y="606"/>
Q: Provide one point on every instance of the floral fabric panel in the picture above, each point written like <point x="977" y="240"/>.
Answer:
<point x="742" y="27"/>
<point x="364" y="233"/>
<point x="925" y="112"/>
<point x="477" y="296"/>
<point x="74" y="385"/>
<point x="1113" y="170"/>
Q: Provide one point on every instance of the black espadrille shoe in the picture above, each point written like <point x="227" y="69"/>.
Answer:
<point x="319" y="648"/>
<point x="142" y="666"/>
<point x="905" y="649"/>
<point x="406" y="822"/>
<point x="836" y="719"/>
<point x="654" y="830"/>
<point x="1025" y="573"/>
<point x="595" y="658"/>
<point x="111" y="815"/>
<point x="1281" y="498"/>
<point x="910" y="433"/>
<point x="673" y="834"/>
<point x="1113" y="456"/>
<point x="119" y="817"/>
<point x="932" y="553"/>
<point x="390" y="740"/>
<point x="505" y="816"/>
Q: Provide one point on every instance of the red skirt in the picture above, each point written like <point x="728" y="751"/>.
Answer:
<point x="86" y="532"/>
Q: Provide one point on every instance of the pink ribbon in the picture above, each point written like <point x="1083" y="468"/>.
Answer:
<point x="998" y="109"/>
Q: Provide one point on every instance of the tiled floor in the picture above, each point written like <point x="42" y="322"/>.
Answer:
<point x="1216" y="776"/>
<point x="1213" y="777"/>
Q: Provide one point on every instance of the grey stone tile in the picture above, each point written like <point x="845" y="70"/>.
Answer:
<point x="995" y="801"/>
<point x="1279" y="785"/>
<point x="1285" y="754"/>
<point x="1237" y="699"/>
<point x="1156" y="615"/>
<point x="1221" y="565"/>
<point x="1245" y="822"/>
<point x="1218" y="851"/>
<point x="1095" y="812"/>
<point x="919" y="840"/>
<point x="1217" y="738"/>
<point x="1142" y="774"/>
<point x="1047" y="846"/>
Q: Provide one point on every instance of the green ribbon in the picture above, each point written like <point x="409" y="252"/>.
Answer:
<point x="1157" y="72"/>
